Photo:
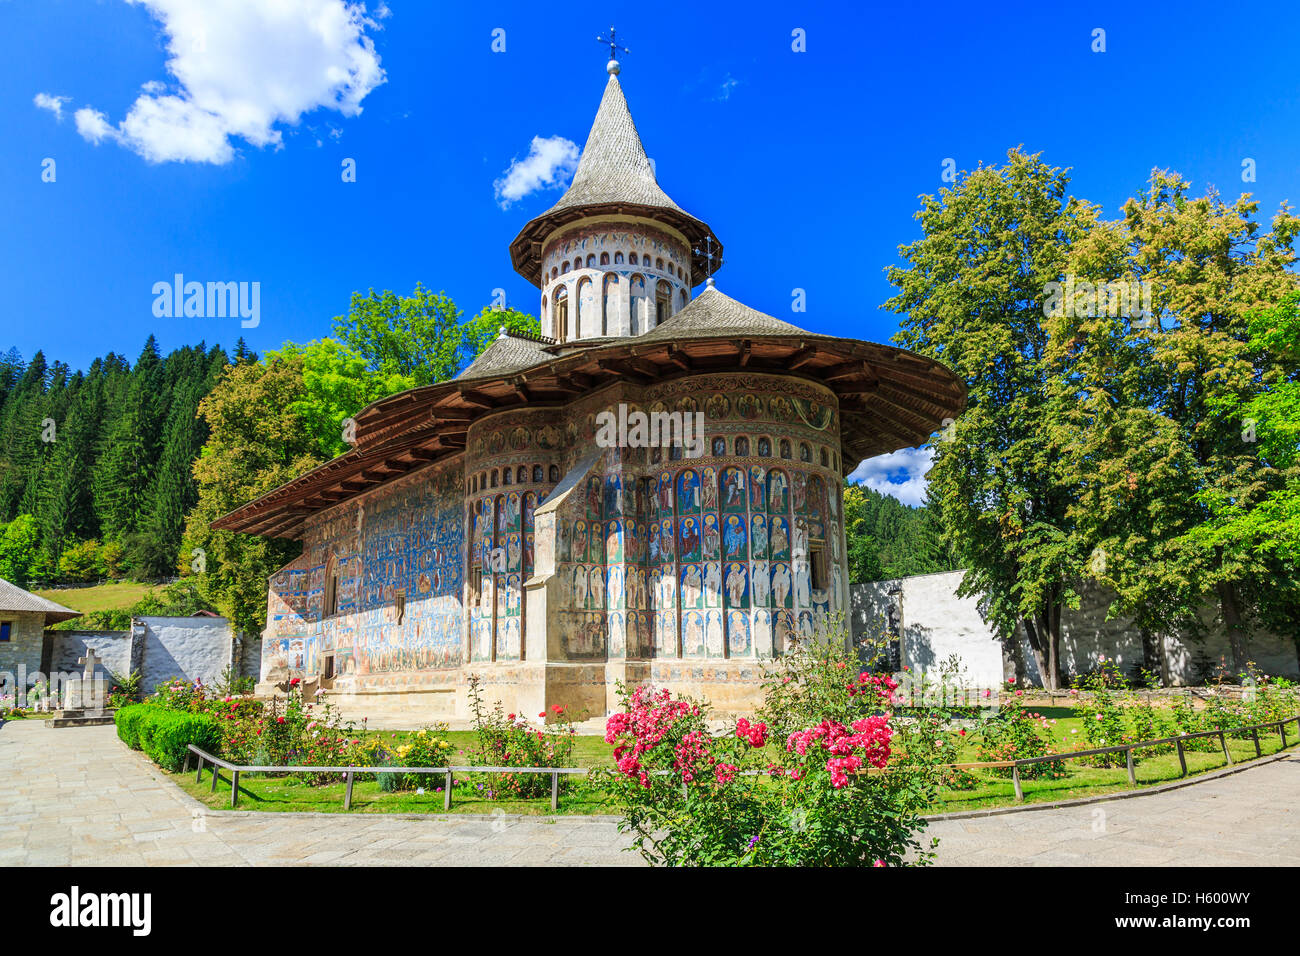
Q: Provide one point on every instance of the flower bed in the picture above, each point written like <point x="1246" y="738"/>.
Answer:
<point x="793" y="788"/>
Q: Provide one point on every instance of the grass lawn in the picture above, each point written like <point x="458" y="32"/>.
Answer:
<point x="1086" y="781"/>
<point x="470" y="796"/>
<point x="588" y="751"/>
<point x="291" y="794"/>
<point x="115" y="596"/>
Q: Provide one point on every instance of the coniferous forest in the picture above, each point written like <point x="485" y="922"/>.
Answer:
<point x="96" y="466"/>
<point x="116" y="471"/>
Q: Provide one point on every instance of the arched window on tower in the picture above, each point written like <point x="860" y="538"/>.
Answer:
<point x="663" y="301"/>
<point x="561" y="323"/>
<point x="631" y="259"/>
<point x="588" y="323"/>
<point x="591" y="261"/>
<point x="659" y="264"/>
<point x="604" y="258"/>
<point x="636" y="300"/>
<point x="565" y="267"/>
<point x="681" y="300"/>
<point x="618" y="258"/>
<point x="608" y="298"/>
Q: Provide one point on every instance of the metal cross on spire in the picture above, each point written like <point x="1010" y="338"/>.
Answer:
<point x="612" y="66"/>
<point x="710" y="266"/>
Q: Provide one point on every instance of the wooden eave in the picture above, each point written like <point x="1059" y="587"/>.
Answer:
<point x="888" y="399"/>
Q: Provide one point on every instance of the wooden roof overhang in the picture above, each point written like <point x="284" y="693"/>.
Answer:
<point x="889" y="399"/>
<point x="526" y="249"/>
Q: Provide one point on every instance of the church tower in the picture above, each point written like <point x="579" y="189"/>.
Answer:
<point x="615" y="257"/>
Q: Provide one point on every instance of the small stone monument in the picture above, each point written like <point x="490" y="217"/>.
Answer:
<point x="88" y="692"/>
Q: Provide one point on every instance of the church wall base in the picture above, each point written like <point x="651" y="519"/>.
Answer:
<point x="588" y="691"/>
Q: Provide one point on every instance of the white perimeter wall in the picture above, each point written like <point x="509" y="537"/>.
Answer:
<point x="937" y="624"/>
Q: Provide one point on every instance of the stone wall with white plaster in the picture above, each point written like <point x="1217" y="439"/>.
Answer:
<point x="160" y="648"/>
<point x="114" y="650"/>
<point x="938" y="623"/>
<point x="193" y="648"/>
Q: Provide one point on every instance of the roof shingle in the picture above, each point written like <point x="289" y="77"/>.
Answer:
<point x="14" y="598"/>
<point x="711" y="313"/>
<point x="508" y="354"/>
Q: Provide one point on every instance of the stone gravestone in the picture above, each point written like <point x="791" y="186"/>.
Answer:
<point x="86" y="693"/>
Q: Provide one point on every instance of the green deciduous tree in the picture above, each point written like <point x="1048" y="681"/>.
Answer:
<point x="972" y="296"/>
<point x="1152" y="410"/>
<point x="420" y="337"/>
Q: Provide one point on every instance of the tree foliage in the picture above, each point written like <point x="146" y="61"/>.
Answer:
<point x="887" y="539"/>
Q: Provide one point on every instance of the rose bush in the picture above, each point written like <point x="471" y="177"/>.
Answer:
<point x="823" y="777"/>
<point x="511" y="740"/>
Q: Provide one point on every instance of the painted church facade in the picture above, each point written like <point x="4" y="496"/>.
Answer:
<point x="490" y="526"/>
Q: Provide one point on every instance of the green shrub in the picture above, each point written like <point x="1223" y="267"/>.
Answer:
<point x="128" y="721"/>
<point x="164" y="735"/>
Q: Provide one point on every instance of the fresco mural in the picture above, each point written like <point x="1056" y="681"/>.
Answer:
<point x="726" y="556"/>
<point x="408" y="543"/>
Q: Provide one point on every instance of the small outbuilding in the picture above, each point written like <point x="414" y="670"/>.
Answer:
<point x="23" y="619"/>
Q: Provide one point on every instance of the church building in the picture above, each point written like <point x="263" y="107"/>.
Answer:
<point x="518" y="523"/>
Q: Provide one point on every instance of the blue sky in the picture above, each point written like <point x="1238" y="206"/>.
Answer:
<point x="208" y="139"/>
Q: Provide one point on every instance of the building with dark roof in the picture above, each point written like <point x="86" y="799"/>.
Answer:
<point x="650" y="491"/>
<point x="23" y="619"/>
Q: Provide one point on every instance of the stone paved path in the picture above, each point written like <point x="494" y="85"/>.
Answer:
<point x="76" y="796"/>
<point x="1250" y="818"/>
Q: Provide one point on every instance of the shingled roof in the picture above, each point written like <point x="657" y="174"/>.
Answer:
<point x="508" y="354"/>
<point x="614" y="166"/>
<point x="613" y="176"/>
<point x="713" y="313"/>
<point x="14" y="598"/>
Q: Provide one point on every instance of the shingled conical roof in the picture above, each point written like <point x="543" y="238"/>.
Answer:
<point x="614" y="176"/>
<point x="614" y="166"/>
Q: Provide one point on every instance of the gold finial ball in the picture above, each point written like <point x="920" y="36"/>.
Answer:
<point x="612" y="67"/>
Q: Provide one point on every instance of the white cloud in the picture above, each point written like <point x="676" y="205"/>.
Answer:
<point x="900" y="474"/>
<point x="724" y="90"/>
<point x="550" y="163"/>
<point x="241" y="68"/>
<point x="52" y="103"/>
<point x="93" y="125"/>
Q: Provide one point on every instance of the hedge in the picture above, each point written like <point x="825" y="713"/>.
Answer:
<point x="164" y="735"/>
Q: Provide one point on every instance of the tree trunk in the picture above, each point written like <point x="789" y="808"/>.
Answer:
<point x="1232" y="622"/>
<point x="1153" y="655"/>
<point x="1053" y="617"/>
<point x="1043" y="643"/>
